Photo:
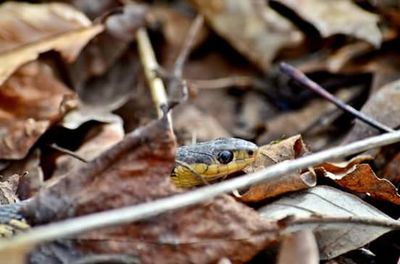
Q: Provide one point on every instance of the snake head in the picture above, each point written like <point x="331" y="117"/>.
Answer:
<point x="208" y="161"/>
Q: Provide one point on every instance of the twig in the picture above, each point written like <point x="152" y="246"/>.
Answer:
<point x="150" y="66"/>
<point x="68" y="152"/>
<point x="177" y="71"/>
<point x="305" y="81"/>
<point x="146" y="210"/>
<point x="379" y="222"/>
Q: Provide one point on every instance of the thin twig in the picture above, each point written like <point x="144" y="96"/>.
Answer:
<point x="176" y="80"/>
<point x="379" y="222"/>
<point x="150" y="66"/>
<point x="187" y="46"/>
<point x="306" y="82"/>
<point x="146" y="210"/>
<point x="68" y="152"/>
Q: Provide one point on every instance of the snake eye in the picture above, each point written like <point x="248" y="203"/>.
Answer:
<point x="250" y="152"/>
<point x="225" y="156"/>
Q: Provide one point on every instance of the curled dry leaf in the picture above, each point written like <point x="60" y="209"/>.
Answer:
<point x="338" y="17"/>
<point x="383" y="107"/>
<point x="299" y="247"/>
<point x="31" y="29"/>
<point x="137" y="170"/>
<point x="360" y="178"/>
<point x="252" y="24"/>
<point x="340" y="221"/>
<point x="31" y="100"/>
<point x="273" y="153"/>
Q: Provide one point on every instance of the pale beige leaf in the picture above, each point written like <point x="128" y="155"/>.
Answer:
<point x="322" y="203"/>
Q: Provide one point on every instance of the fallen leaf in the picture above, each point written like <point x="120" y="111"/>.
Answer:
<point x="107" y="49"/>
<point x="31" y="100"/>
<point x="38" y="29"/>
<point x="381" y="106"/>
<point x="340" y="221"/>
<point x="175" y="25"/>
<point x="271" y="154"/>
<point x="252" y="24"/>
<point x="300" y="121"/>
<point x="137" y="170"/>
<point x="202" y="125"/>
<point x="99" y="139"/>
<point x="361" y="179"/>
<point x="390" y="170"/>
<point x="299" y="247"/>
<point x="338" y="17"/>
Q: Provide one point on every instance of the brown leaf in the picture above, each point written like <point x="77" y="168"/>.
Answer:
<point x="362" y="179"/>
<point x="338" y="17"/>
<point x="31" y="29"/>
<point x="175" y="25"/>
<point x="109" y="48"/>
<point x="383" y="107"/>
<point x="391" y="170"/>
<point x="202" y="125"/>
<point x="137" y="170"/>
<point x="31" y="100"/>
<point x="303" y="120"/>
<point x="273" y="153"/>
<point x="250" y="24"/>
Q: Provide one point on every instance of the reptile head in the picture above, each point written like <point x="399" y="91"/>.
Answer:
<point x="205" y="162"/>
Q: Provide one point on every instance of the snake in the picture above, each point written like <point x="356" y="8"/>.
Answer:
<point x="195" y="165"/>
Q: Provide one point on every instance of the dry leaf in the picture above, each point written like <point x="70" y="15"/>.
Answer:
<point x="391" y="170"/>
<point x="299" y="247"/>
<point x="38" y="29"/>
<point x="360" y="178"/>
<point x="195" y="123"/>
<point x="137" y="170"/>
<point x="312" y="210"/>
<point x="383" y="107"/>
<point x="99" y="139"/>
<point x="108" y="49"/>
<point x="31" y="100"/>
<point x="271" y="154"/>
<point x="252" y="24"/>
<point x="338" y="17"/>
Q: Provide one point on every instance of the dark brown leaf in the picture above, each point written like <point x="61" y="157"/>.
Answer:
<point x="31" y="100"/>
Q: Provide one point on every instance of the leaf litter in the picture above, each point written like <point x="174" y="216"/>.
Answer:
<point x="59" y="110"/>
